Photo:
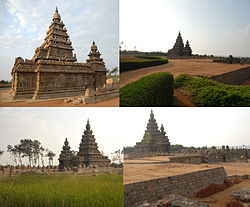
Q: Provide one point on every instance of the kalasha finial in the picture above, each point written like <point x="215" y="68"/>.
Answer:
<point x="66" y="143"/>
<point x="162" y="128"/>
<point x="93" y="42"/>
<point x="151" y="114"/>
<point x="56" y="9"/>
<point x="88" y="125"/>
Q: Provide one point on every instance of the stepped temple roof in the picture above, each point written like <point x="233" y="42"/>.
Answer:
<point x="88" y="154"/>
<point x="179" y="49"/>
<point x="53" y="71"/>
<point x="154" y="140"/>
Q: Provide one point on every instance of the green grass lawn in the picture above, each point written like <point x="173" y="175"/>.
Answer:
<point x="61" y="190"/>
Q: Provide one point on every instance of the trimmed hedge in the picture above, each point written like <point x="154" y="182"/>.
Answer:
<point x="207" y="92"/>
<point x="134" y="64"/>
<point x="152" y="90"/>
<point x="147" y="57"/>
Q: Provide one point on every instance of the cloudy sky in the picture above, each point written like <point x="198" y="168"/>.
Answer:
<point x="218" y="27"/>
<point x="115" y="128"/>
<point x="24" y="23"/>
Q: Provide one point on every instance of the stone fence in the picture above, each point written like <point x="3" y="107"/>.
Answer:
<point x="185" y="184"/>
<point x="236" y="77"/>
<point x="17" y="170"/>
<point x="188" y="159"/>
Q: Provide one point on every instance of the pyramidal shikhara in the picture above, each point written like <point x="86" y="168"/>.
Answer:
<point x="53" y="71"/>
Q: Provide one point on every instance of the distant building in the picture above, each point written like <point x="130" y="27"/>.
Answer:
<point x="88" y="154"/>
<point x="179" y="50"/>
<point x="154" y="140"/>
<point x="53" y="71"/>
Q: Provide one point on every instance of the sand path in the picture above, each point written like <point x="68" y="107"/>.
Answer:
<point x="146" y="169"/>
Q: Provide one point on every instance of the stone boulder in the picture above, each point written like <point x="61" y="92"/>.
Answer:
<point x="242" y="194"/>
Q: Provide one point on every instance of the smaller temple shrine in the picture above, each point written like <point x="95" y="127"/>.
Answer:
<point x="179" y="50"/>
<point x="88" y="154"/>
<point x="154" y="140"/>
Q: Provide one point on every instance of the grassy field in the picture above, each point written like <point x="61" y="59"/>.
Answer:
<point x="61" y="190"/>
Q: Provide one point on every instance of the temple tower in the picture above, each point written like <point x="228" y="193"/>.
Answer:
<point x="98" y="65"/>
<point x="65" y="156"/>
<point x="88" y="149"/>
<point x="57" y="45"/>
<point x="187" y="49"/>
<point x="154" y="140"/>
<point x="179" y="49"/>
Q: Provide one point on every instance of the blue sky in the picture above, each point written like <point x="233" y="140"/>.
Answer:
<point x="24" y="23"/>
<point x="218" y="27"/>
<point x="117" y="127"/>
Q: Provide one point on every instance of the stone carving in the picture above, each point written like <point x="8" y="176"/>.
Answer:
<point x="53" y="71"/>
<point x="88" y="154"/>
<point x="154" y="140"/>
<point x="108" y="91"/>
<point x="179" y="50"/>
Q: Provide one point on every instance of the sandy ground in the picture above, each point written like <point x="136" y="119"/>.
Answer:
<point x="204" y="67"/>
<point x="53" y="103"/>
<point x="220" y="199"/>
<point x="154" y="167"/>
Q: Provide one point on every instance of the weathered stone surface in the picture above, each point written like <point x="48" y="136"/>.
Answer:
<point x="185" y="184"/>
<point x="108" y="91"/>
<point x="154" y="140"/>
<point x="242" y="194"/>
<point x="53" y="71"/>
<point x="88" y="154"/>
<point x="174" y="200"/>
<point x="188" y="159"/>
<point x="234" y="204"/>
<point x="179" y="50"/>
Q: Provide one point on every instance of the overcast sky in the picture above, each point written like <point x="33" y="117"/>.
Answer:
<point x="24" y="23"/>
<point x="115" y="128"/>
<point x="218" y="27"/>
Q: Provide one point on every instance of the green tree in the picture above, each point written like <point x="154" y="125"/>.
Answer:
<point x="50" y="156"/>
<point x="27" y="148"/>
<point x="13" y="153"/>
<point x="213" y="148"/>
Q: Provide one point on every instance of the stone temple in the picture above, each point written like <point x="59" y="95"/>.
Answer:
<point x="88" y="154"/>
<point x="154" y="140"/>
<point x="53" y="71"/>
<point x="179" y="50"/>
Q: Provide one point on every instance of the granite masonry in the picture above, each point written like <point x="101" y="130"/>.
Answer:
<point x="154" y="140"/>
<point x="185" y="184"/>
<point x="87" y="156"/>
<point x="53" y="71"/>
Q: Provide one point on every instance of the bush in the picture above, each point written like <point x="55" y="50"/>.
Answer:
<point x="132" y="64"/>
<point x="207" y="92"/>
<point x="152" y="90"/>
<point x="147" y="57"/>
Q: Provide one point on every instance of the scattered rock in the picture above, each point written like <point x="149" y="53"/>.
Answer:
<point x="242" y="194"/>
<point x="234" y="204"/>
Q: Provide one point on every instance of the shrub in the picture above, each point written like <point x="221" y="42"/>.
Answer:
<point x="152" y="90"/>
<point x="207" y="92"/>
<point x="147" y="57"/>
<point x="134" y="64"/>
